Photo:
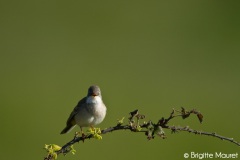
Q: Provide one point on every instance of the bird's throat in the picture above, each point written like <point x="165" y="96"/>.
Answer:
<point x="94" y="100"/>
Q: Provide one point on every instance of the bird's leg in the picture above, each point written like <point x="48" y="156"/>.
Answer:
<point x="83" y="135"/>
<point x="91" y="126"/>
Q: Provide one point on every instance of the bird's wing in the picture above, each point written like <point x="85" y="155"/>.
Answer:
<point x="75" y="110"/>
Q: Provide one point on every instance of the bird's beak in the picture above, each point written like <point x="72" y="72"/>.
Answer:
<point x="94" y="94"/>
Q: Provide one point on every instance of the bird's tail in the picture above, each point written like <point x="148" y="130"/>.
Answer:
<point x="67" y="129"/>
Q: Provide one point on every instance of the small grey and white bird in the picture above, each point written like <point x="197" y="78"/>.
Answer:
<point x="89" y="111"/>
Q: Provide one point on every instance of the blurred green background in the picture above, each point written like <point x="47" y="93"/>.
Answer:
<point x="150" y="55"/>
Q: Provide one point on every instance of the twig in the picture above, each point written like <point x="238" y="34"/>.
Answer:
<point x="150" y="129"/>
<point x="187" y="129"/>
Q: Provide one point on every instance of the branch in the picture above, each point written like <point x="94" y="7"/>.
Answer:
<point x="187" y="129"/>
<point x="150" y="129"/>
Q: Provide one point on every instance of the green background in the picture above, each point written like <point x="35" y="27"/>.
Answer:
<point x="150" y="55"/>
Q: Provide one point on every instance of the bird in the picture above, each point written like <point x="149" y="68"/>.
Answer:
<point x="89" y="111"/>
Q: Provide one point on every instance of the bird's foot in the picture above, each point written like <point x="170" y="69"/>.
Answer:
<point x="76" y="135"/>
<point x="83" y="137"/>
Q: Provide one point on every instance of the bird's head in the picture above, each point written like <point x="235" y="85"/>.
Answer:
<point x="94" y="91"/>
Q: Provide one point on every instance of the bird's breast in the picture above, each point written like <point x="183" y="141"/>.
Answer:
<point x="95" y="106"/>
<point x="92" y="113"/>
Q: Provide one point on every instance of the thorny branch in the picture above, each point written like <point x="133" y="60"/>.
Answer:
<point x="149" y="128"/>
